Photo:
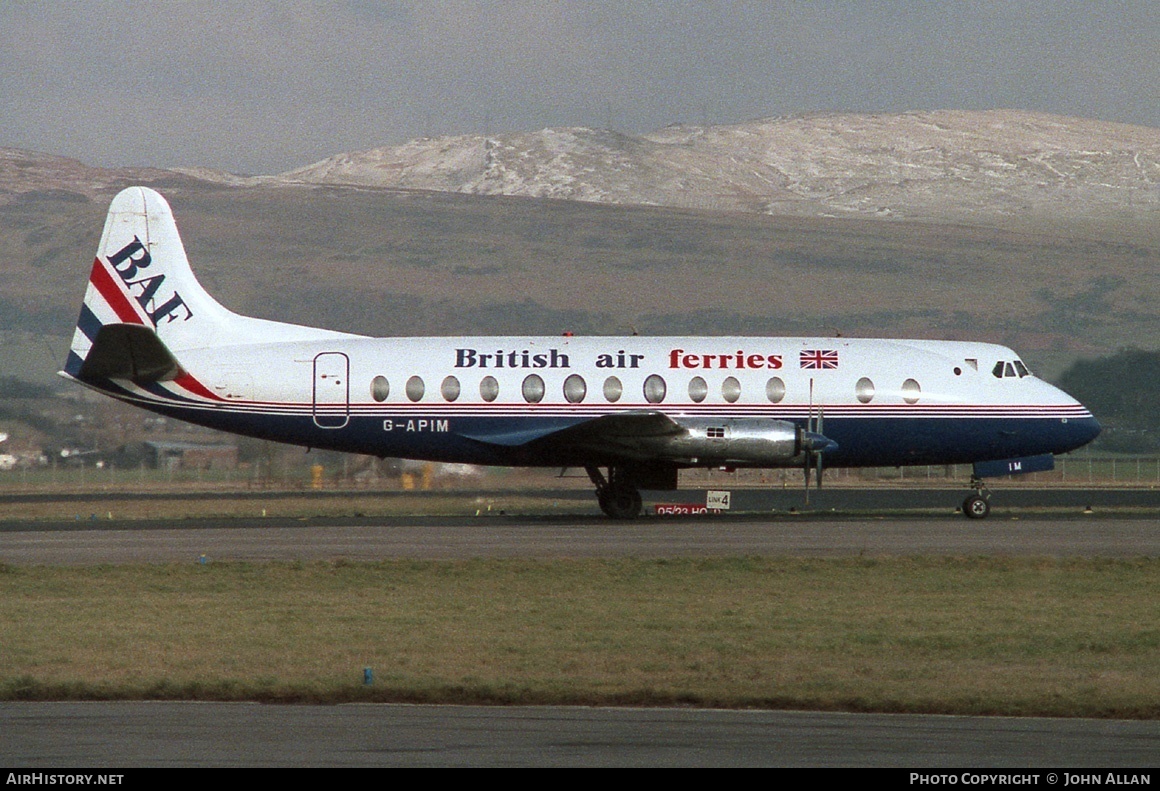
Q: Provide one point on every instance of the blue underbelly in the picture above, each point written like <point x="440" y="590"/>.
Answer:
<point x="862" y="442"/>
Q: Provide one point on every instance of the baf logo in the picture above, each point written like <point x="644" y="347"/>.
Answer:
<point x="127" y="266"/>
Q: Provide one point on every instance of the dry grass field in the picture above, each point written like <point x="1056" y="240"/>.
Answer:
<point x="965" y="635"/>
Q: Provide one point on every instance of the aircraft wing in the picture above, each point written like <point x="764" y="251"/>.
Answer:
<point x="622" y="434"/>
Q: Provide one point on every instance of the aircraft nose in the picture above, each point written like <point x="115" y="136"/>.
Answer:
<point x="1087" y="430"/>
<point x="1077" y="432"/>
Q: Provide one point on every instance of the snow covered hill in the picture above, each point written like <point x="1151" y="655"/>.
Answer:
<point x="943" y="165"/>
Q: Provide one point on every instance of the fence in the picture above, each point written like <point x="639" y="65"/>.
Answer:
<point x="1073" y="470"/>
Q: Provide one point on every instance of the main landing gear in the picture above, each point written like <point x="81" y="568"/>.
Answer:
<point x="977" y="505"/>
<point x="618" y="496"/>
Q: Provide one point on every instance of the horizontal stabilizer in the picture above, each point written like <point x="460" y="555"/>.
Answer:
<point x="129" y="351"/>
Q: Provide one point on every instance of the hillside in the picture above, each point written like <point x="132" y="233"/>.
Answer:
<point x="1029" y="230"/>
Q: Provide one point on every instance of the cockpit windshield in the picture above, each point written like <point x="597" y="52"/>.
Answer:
<point x="1005" y="369"/>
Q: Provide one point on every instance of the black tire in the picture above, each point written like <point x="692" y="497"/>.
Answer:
<point x="621" y="503"/>
<point x="976" y="507"/>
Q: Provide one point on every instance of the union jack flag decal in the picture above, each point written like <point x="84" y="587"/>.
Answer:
<point x="819" y="358"/>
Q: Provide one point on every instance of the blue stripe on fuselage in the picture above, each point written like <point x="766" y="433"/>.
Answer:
<point x="862" y="442"/>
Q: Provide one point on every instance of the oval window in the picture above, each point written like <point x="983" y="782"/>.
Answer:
<point x="775" y="390"/>
<point x="415" y="388"/>
<point x="910" y="391"/>
<point x="864" y="389"/>
<point x="731" y="389"/>
<point x="450" y="388"/>
<point x="654" y="389"/>
<point x="575" y="389"/>
<point x="613" y="389"/>
<point x="533" y="389"/>
<point x="380" y="388"/>
<point x="488" y="389"/>
<point x="698" y="390"/>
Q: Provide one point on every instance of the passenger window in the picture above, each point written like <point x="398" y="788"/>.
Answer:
<point x="654" y="389"/>
<point x="910" y="391"/>
<point x="575" y="389"/>
<point x="731" y="389"/>
<point x="488" y="389"/>
<point x="533" y="389"/>
<point x="450" y="389"/>
<point x="775" y="390"/>
<point x="613" y="389"/>
<point x="698" y="390"/>
<point x="380" y="388"/>
<point x="415" y="388"/>
<point x="864" y="389"/>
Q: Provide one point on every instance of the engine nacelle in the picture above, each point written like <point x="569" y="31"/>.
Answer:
<point x="747" y="442"/>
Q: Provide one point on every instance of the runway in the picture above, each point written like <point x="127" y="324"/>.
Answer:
<point x="118" y="735"/>
<point x="553" y="537"/>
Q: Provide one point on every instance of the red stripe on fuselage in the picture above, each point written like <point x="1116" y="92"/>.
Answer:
<point x="197" y="388"/>
<point x="108" y="288"/>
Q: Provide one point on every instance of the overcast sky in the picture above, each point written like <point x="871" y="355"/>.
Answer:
<point x="262" y="87"/>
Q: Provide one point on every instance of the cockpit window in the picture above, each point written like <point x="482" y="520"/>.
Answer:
<point x="1004" y="369"/>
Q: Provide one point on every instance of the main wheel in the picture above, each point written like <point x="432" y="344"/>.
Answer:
<point x="976" y="507"/>
<point x="620" y="503"/>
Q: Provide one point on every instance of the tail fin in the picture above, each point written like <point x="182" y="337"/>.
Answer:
<point x="143" y="306"/>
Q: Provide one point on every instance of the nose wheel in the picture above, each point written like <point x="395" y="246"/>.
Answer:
<point x="977" y="505"/>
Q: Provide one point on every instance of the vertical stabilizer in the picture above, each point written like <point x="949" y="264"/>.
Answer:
<point x="141" y="277"/>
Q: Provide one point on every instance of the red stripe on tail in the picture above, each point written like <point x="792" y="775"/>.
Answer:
<point x="108" y="288"/>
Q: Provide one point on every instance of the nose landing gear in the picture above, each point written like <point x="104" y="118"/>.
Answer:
<point x="977" y="505"/>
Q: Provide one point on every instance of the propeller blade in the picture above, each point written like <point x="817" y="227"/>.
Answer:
<point x="807" y="441"/>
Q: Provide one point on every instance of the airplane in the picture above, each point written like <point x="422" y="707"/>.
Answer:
<point x="632" y="411"/>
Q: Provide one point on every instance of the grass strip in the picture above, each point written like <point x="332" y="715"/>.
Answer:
<point x="1004" y="636"/>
